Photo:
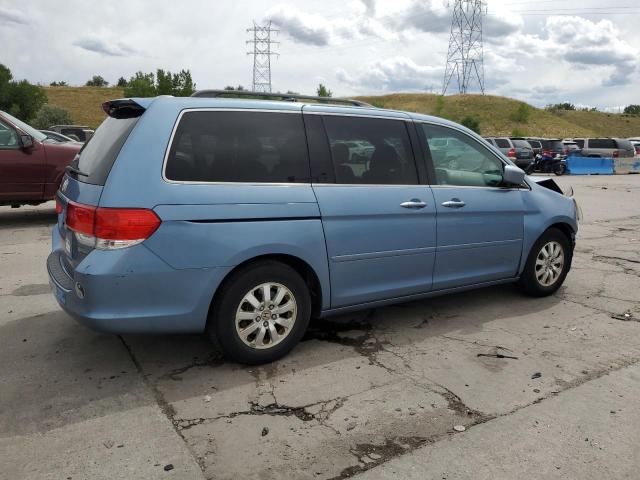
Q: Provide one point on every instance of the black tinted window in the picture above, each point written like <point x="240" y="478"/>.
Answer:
<point x="580" y="142"/>
<point x="370" y="151"/>
<point x="502" y="143"/>
<point x="239" y="147"/>
<point x="99" y="153"/>
<point x="521" y="144"/>
<point x="602" y="143"/>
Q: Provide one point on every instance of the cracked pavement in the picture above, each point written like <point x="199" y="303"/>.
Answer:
<point x="372" y="395"/>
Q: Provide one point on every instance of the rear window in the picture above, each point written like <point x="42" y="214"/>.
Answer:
<point x="534" y="143"/>
<point x="602" y="143"/>
<point x="521" y="144"/>
<point x="262" y="147"/>
<point x="98" y="154"/>
<point x="502" y="143"/>
<point x="624" y="144"/>
<point x="554" y="145"/>
<point x="580" y="142"/>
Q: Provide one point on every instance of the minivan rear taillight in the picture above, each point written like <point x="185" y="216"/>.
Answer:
<point x="512" y="153"/>
<point x="59" y="206"/>
<point x="616" y="154"/>
<point x="110" y="228"/>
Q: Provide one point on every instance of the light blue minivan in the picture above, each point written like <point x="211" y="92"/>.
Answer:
<point x="243" y="218"/>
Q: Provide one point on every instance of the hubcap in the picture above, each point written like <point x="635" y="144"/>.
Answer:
<point x="266" y="315"/>
<point x="549" y="263"/>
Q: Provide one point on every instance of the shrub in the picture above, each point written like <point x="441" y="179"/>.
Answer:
<point x="521" y="114"/>
<point x="632" y="109"/>
<point x="51" y="115"/>
<point x="471" y="123"/>
<point x="97" y="81"/>
<point x="20" y="98"/>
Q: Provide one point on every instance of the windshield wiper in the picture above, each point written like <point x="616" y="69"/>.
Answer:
<point x="72" y="169"/>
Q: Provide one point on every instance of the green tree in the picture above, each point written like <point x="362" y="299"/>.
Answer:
<point x="5" y="82"/>
<point x="51" y="115"/>
<point x="20" y="98"/>
<point x="141" y="85"/>
<point x="521" y="114"/>
<point x="471" y="123"/>
<point x="122" y="82"/>
<point x="97" y="81"/>
<point x="561" y="106"/>
<point x="61" y="83"/>
<point x="632" y="109"/>
<point x="162" y="83"/>
<point x="323" y="91"/>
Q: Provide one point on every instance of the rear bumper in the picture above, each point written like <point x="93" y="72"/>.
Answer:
<point x="133" y="291"/>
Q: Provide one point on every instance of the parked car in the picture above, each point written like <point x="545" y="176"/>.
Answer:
<point x="519" y="151"/>
<point x="57" y="137"/>
<point x="571" y="148"/>
<point x="636" y="146"/>
<point x="605" y="147"/>
<point x="80" y="133"/>
<point x="31" y="167"/>
<point x="552" y="147"/>
<point x="535" y="143"/>
<point x="253" y="217"/>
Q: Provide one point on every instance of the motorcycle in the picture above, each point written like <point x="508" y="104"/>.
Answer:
<point x="547" y="163"/>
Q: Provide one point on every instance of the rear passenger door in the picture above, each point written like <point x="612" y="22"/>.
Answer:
<point x="377" y="214"/>
<point x="480" y="223"/>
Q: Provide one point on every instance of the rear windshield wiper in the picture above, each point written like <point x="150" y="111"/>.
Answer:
<point x="72" y="169"/>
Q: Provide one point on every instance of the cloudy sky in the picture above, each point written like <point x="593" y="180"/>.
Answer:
<point x="541" y="51"/>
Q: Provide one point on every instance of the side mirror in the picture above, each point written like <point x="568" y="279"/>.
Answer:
<point x="26" y="141"/>
<point x="512" y="175"/>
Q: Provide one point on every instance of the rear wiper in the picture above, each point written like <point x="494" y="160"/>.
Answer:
<point x="71" y="169"/>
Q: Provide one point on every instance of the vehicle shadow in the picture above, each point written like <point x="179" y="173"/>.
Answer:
<point x="42" y="215"/>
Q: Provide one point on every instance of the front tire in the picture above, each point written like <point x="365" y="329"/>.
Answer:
<point x="547" y="265"/>
<point x="261" y="313"/>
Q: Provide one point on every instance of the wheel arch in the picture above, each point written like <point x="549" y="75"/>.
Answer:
<point x="303" y="268"/>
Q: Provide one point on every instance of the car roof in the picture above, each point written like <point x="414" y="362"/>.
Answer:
<point x="183" y="103"/>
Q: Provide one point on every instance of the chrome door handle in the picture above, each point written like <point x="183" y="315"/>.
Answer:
<point x="413" y="203"/>
<point x="454" y="203"/>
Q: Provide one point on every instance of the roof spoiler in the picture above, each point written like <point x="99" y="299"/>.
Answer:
<point x="287" y="97"/>
<point x="123" y="108"/>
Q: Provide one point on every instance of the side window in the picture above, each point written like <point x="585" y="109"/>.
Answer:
<point x="461" y="160"/>
<point x="8" y="136"/>
<point x="502" y="143"/>
<point x="249" y="146"/>
<point x="370" y="151"/>
<point x="579" y="142"/>
<point x="602" y="143"/>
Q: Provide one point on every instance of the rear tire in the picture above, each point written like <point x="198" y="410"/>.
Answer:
<point x="548" y="263"/>
<point x="560" y="169"/>
<point x="261" y="313"/>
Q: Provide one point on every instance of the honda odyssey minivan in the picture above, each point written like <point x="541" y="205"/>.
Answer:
<point x="243" y="218"/>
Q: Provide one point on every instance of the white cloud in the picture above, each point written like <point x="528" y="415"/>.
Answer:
<point x="393" y="74"/>
<point x="97" y="45"/>
<point x="301" y="26"/>
<point x="9" y="16"/>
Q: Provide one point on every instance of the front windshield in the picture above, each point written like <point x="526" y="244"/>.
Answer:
<point x="25" y="128"/>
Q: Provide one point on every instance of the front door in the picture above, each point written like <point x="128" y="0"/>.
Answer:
<point x="21" y="171"/>
<point x="378" y="219"/>
<point x="480" y="223"/>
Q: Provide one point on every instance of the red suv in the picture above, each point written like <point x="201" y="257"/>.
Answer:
<point x="31" y="166"/>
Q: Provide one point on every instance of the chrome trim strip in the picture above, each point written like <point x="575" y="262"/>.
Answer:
<point x="390" y="253"/>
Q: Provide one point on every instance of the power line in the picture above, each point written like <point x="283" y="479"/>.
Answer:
<point x="465" y="58"/>
<point x="262" y="55"/>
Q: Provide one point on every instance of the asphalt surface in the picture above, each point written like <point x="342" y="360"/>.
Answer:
<point x="373" y="395"/>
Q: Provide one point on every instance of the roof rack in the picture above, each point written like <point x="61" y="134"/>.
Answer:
<point x="287" y="97"/>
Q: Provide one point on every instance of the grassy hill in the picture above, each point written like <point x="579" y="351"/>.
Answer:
<point x="497" y="115"/>
<point x="83" y="103"/>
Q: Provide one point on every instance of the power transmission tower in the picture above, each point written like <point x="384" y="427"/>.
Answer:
<point x="465" y="55"/>
<point x="262" y="56"/>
